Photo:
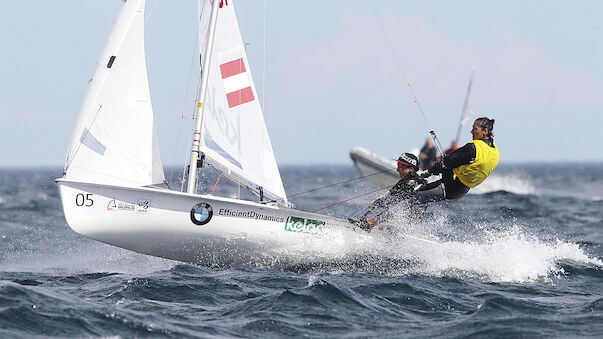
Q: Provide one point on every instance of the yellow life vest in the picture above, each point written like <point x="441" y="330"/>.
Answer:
<point x="486" y="159"/>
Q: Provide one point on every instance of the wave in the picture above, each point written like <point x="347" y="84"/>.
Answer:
<point x="87" y="256"/>
<point x="509" y="183"/>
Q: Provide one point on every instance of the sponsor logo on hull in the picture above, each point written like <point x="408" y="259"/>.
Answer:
<point x="201" y="213"/>
<point x="141" y="206"/>
<point x="302" y="225"/>
<point x="227" y="212"/>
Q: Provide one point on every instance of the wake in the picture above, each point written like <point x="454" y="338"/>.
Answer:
<point x="508" y="183"/>
<point x="494" y="253"/>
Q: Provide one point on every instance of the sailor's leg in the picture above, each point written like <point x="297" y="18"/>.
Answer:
<point x="381" y="217"/>
<point x="368" y="211"/>
<point x="363" y="222"/>
<point x="455" y="189"/>
<point x="434" y="194"/>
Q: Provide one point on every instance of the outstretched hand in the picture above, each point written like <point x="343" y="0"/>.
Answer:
<point x="436" y="168"/>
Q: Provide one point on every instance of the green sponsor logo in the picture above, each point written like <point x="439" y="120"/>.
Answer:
<point x="302" y="225"/>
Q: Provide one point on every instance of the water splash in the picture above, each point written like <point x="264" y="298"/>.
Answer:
<point x="509" y="183"/>
<point x="509" y="255"/>
<point x="497" y="253"/>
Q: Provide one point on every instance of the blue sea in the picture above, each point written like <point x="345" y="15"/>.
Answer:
<point x="520" y="256"/>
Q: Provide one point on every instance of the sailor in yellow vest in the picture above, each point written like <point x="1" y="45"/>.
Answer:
<point x="464" y="168"/>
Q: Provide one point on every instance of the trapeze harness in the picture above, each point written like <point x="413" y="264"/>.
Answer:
<point x="462" y="169"/>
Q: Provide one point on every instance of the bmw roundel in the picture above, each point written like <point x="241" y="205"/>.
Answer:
<point x="201" y="213"/>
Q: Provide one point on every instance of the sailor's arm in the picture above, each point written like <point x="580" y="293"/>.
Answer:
<point x="462" y="156"/>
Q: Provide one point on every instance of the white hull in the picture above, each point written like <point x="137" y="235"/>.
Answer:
<point x="158" y="222"/>
<point x="378" y="170"/>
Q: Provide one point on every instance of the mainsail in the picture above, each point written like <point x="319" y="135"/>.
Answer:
<point x="234" y="136"/>
<point x="114" y="140"/>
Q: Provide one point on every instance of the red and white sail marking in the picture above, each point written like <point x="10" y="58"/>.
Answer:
<point x="236" y="83"/>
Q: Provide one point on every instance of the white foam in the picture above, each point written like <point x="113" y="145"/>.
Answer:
<point x="502" y="256"/>
<point x="508" y="183"/>
<point x="315" y="280"/>
<point x="509" y="255"/>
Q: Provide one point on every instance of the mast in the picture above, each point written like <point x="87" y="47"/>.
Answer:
<point x="192" y="171"/>
<point x="465" y="104"/>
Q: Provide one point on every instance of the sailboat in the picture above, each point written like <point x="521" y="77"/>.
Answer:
<point x="111" y="186"/>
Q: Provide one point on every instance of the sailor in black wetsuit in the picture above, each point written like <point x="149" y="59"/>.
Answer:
<point x="405" y="188"/>
<point x="428" y="155"/>
<point x="464" y="168"/>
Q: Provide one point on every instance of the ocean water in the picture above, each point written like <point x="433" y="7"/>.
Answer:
<point x="521" y="256"/>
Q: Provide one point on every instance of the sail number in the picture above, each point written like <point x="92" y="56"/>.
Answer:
<point x="84" y="200"/>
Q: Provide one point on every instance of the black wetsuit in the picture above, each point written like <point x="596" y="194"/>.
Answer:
<point x="406" y="188"/>
<point x="453" y="187"/>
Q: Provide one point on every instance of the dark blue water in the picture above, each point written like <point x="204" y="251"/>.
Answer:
<point x="520" y="257"/>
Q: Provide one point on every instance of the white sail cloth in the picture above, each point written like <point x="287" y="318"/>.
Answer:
<point x="114" y="140"/>
<point x="234" y="136"/>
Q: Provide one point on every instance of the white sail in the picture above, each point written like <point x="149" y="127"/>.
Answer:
<point x="234" y="136"/>
<point x="114" y="140"/>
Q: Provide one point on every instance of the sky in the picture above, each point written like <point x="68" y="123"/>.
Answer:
<point x="329" y="75"/>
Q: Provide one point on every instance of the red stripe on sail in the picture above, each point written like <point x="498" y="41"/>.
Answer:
<point x="232" y="68"/>
<point x="239" y="97"/>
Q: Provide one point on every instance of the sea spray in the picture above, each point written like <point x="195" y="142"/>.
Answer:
<point x="512" y="183"/>
<point x="497" y="254"/>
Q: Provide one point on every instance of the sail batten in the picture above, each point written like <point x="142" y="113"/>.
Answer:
<point x="234" y="137"/>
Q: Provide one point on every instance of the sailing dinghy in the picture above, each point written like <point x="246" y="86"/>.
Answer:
<point x="380" y="171"/>
<point x="109" y="189"/>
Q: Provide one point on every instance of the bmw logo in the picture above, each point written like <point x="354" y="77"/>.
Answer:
<point x="201" y="213"/>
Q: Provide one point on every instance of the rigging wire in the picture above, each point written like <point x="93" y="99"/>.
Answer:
<point x="362" y="195"/>
<point x="464" y="116"/>
<point x="263" y="107"/>
<point x="151" y="11"/>
<point x="415" y="99"/>
<point x="241" y="11"/>
<point x="82" y="138"/>
<point x="184" y="103"/>
<point x="264" y="62"/>
<point x="337" y="183"/>
<point x="196" y="56"/>
<point x="213" y="189"/>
